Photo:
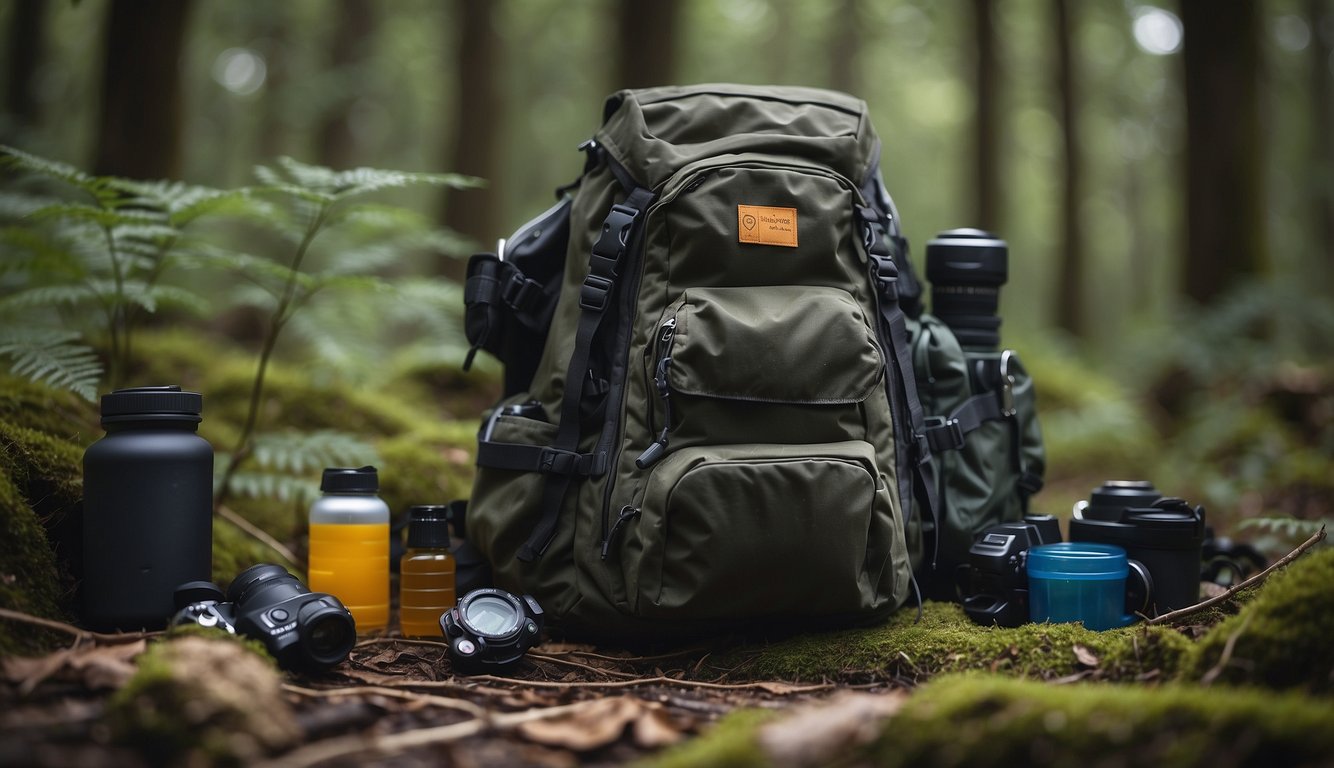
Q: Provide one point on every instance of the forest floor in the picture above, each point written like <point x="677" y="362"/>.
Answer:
<point x="150" y="699"/>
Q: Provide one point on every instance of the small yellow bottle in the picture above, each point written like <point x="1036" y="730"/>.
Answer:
<point x="425" y="573"/>
<point x="349" y="545"/>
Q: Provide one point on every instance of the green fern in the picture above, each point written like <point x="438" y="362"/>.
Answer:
<point x="52" y="357"/>
<point x="1285" y="527"/>
<point x="283" y="464"/>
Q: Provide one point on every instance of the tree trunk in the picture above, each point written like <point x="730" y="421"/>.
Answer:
<point x="646" y="42"/>
<point x="1225" y="197"/>
<point x="139" y="129"/>
<point x="845" y="48"/>
<point x="27" y="25"/>
<point x="986" y="125"/>
<point x="477" y="114"/>
<point x="1070" y="283"/>
<point x="1321" y="18"/>
<point x="353" y="37"/>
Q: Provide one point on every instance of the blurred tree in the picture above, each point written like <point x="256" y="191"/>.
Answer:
<point x="27" y="25"/>
<point x="645" y="42"/>
<point x="845" y="42"/>
<point x="477" y="113"/>
<point x="1070" y="282"/>
<point x="1321" y="17"/>
<point x="139" y="128"/>
<point x="353" y="38"/>
<point x="986" y="125"/>
<point x="275" y="30"/>
<point x="1225" y="191"/>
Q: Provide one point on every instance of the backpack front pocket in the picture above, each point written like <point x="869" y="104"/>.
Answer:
<point x="762" y="364"/>
<point x="749" y="531"/>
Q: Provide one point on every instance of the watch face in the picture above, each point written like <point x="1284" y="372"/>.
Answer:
<point x="490" y="615"/>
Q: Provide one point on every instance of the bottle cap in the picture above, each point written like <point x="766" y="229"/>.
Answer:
<point x="428" y="526"/>
<point x="167" y="402"/>
<point x="348" y="480"/>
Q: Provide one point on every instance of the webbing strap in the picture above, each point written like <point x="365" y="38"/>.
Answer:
<point x="618" y="233"/>
<point x="884" y="273"/>
<point x="519" y="457"/>
<point x="948" y="433"/>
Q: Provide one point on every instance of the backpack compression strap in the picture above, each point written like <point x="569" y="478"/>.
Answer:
<point x="885" y="276"/>
<point x="619" y="231"/>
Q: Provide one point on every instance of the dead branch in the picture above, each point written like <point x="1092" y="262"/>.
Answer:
<point x="70" y="629"/>
<point x="1316" y="538"/>
<point x="363" y="690"/>
<point x="580" y="665"/>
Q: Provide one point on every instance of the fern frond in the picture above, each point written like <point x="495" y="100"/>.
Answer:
<point x="264" y="485"/>
<point x="1287" y="527"/>
<point x="297" y="453"/>
<point x="360" y="181"/>
<point x="375" y="219"/>
<point x="69" y="294"/>
<point x="11" y="157"/>
<point x="150" y="297"/>
<point x="52" y="357"/>
<point x="103" y="217"/>
<point x="16" y="205"/>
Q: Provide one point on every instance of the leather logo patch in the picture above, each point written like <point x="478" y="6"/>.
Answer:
<point x="766" y="225"/>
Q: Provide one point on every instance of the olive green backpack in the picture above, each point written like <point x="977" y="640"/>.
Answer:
<point x="711" y="420"/>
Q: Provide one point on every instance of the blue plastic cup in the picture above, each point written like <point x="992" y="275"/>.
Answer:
<point x="1078" y="581"/>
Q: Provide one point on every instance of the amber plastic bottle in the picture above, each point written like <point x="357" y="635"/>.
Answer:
<point x="349" y="545"/>
<point x="426" y="573"/>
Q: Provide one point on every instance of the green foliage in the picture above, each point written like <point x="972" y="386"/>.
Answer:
<point x="286" y="465"/>
<point x="52" y="357"/>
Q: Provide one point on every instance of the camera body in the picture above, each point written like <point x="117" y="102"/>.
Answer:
<point x="995" y="578"/>
<point x="299" y="628"/>
<point x="490" y="629"/>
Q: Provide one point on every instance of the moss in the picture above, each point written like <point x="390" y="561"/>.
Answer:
<point x="1281" y="638"/>
<point x="199" y="699"/>
<point x="985" y="721"/>
<point x="731" y="742"/>
<point x="430" y="465"/>
<point x="234" y="551"/>
<point x="41" y="483"/>
<point x="945" y="640"/>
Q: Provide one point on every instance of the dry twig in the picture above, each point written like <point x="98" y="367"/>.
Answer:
<point x="363" y="690"/>
<point x="70" y="629"/>
<point x="251" y="530"/>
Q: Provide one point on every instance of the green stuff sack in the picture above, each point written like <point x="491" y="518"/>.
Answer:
<point x="710" y="418"/>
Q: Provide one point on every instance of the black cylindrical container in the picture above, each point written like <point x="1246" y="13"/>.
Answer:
<point x="1167" y="538"/>
<point x="966" y="268"/>
<point x="147" y="508"/>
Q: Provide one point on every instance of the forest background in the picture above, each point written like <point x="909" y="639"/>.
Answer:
<point x="1163" y="174"/>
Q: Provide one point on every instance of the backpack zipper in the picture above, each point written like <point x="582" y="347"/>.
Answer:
<point x="655" y="451"/>
<point x="627" y="513"/>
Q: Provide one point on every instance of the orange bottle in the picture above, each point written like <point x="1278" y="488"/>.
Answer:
<point x="349" y="545"/>
<point x="425" y="573"/>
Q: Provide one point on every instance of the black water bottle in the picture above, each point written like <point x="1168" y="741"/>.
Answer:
<point x="147" y="507"/>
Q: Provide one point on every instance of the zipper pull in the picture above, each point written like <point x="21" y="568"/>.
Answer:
<point x="627" y="513"/>
<point x="654" y="452"/>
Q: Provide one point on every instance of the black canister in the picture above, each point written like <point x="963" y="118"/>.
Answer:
<point x="1167" y="538"/>
<point x="147" y="508"/>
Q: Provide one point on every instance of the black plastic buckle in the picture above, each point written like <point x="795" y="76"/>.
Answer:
<point x="519" y="292"/>
<point x="558" y="462"/>
<point x="593" y="294"/>
<point x="886" y="276"/>
<point x="615" y="236"/>
<point x="944" y="434"/>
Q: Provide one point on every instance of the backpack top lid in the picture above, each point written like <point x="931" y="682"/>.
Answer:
<point x="654" y="132"/>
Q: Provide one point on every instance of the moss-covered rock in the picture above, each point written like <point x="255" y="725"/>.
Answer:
<point x="946" y="641"/>
<point x="1280" y="639"/>
<point x="42" y="436"/>
<point x="202" y="700"/>
<point x="984" y="720"/>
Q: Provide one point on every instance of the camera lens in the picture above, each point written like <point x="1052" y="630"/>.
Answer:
<point x="491" y="615"/>
<point x="327" y="633"/>
<point x="966" y="268"/>
<point x="261" y="578"/>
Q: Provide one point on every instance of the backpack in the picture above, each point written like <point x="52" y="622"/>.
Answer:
<point x="710" y="418"/>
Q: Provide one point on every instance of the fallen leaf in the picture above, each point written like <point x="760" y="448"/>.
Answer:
<point x="1085" y="656"/>
<point x="96" y="666"/>
<point x="820" y="732"/>
<point x="587" y="728"/>
<point x="654" y="729"/>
